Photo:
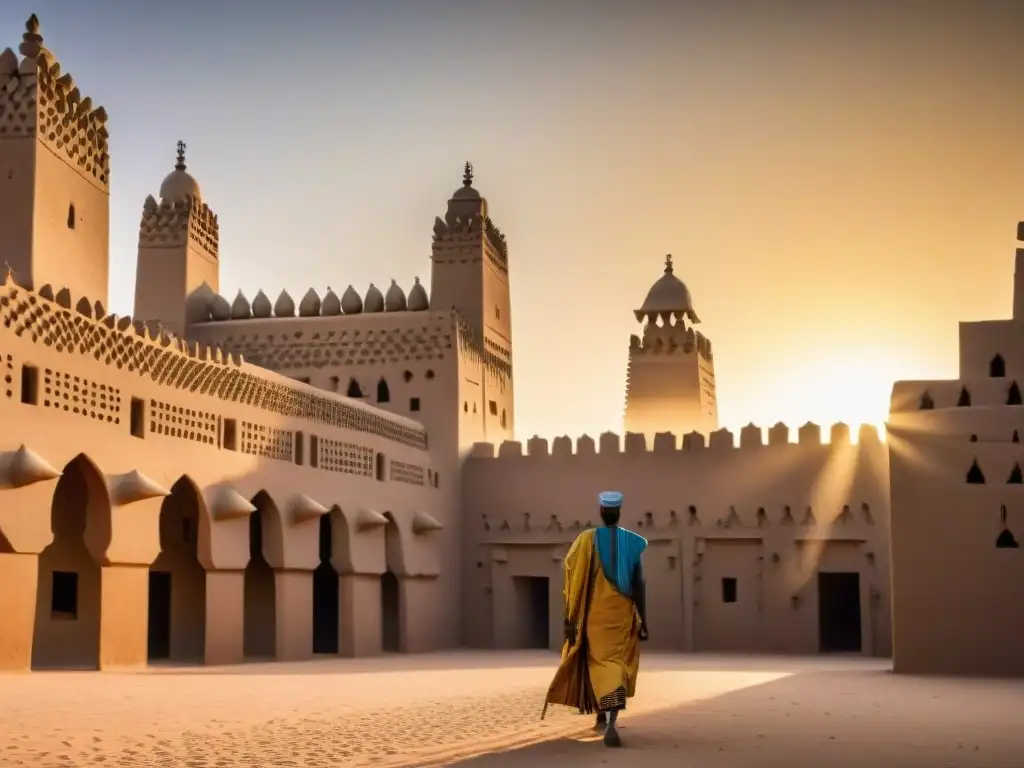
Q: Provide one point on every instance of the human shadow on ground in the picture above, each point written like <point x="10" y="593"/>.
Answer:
<point x="841" y="718"/>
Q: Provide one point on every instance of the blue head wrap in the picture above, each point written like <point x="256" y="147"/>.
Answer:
<point x="610" y="499"/>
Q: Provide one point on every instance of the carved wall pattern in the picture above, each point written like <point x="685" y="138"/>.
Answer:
<point x="338" y="456"/>
<point x="170" y="223"/>
<point x="170" y="362"/>
<point x="340" y="348"/>
<point x="8" y="363"/>
<point x="267" y="442"/>
<point x="186" y="423"/>
<point x="75" y="394"/>
<point x="46" y="103"/>
<point x="402" y="472"/>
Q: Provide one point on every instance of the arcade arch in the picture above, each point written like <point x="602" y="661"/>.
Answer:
<point x="67" y="626"/>
<point x="260" y="612"/>
<point x="177" y="580"/>
<point x="390" y="589"/>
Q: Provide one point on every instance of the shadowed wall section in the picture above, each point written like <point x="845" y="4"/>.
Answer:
<point x="67" y="628"/>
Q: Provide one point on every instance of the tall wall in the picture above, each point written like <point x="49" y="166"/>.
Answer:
<point x="958" y="511"/>
<point x="771" y="516"/>
<point x="54" y="174"/>
<point x="104" y="419"/>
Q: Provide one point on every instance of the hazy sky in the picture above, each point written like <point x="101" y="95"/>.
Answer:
<point x="839" y="182"/>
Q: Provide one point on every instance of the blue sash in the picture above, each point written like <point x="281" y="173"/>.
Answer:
<point x="629" y="547"/>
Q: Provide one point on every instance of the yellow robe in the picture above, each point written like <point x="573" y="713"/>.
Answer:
<point x="606" y="653"/>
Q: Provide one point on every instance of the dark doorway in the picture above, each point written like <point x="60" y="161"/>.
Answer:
<point x="325" y="595"/>
<point x="389" y="608"/>
<point x="839" y="612"/>
<point x="260" y="589"/>
<point x="159" y="615"/>
<point x="531" y="607"/>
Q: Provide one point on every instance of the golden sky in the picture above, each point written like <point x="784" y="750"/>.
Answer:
<point x="838" y="181"/>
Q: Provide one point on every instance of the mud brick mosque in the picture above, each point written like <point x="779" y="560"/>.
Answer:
<point x="213" y="480"/>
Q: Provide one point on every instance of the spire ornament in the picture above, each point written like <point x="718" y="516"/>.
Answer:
<point x="31" y="41"/>
<point x="467" y="175"/>
<point x="180" y="165"/>
<point x="668" y="264"/>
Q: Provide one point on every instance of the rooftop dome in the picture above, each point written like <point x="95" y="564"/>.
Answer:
<point x="668" y="297"/>
<point x="179" y="184"/>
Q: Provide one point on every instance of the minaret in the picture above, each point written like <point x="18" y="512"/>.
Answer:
<point x="178" y="253"/>
<point x="55" y="165"/>
<point x="469" y="273"/>
<point x="670" y="381"/>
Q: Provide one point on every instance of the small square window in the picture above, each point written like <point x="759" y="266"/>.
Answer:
<point x="729" y="590"/>
<point x="414" y="403"/>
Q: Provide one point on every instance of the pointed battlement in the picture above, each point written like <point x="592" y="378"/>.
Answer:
<point x="38" y="101"/>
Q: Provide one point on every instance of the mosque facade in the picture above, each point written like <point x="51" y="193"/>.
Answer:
<point x="216" y="479"/>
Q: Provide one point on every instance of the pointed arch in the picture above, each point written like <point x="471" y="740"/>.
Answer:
<point x="926" y="403"/>
<point x="1013" y="395"/>
<point x="974" y="475"/>
<point x="177" y="578"/>
<point x="354" y="390"/>
<point x="67" y="626"/>
<point x="997" y="367"/>
<point x="964" y="401"/>
<point x="265" y="551"/>
<point x="383" y="391"/>
<point x="326" y="587"/>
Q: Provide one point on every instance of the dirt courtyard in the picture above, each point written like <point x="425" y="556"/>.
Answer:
<point x="481" y="710"/>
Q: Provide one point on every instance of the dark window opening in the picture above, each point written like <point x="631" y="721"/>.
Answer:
<point x="186" y="530"/>
<point x="692" y="512"/>
<point x="926" y="403"/>
<point x="492" y="407"/>
<point x="335" y="383"/>
<point x="975" y="475"/>
<point x="430" y="374"/>
<point x="1005" y="539"/>
<point x="729" y="590"/>
<point x="380" y="467"/>
<point x="1015" y="438"/>
<point x="71" y="216"/>
<point x="407" y="376"/>
<point x="762" y="516"/>
<point x="504" y="421"/>
<point x="305" y="380"/>
<point x="465" y="407"/>
<point x="974" y="438"/>
<point x="997" y="367"/>
<point x="383" y="392"/>
<point x="137" y="418"/>
<point x="300" y="444"/>
<point x="964" y="400"/>
<point x="1016" y="478"/>
<point x="414" y="403"/>
<point x="354" y="390"/>
<point x="29" y="385"/>
<point x="1013" y="395"/>
<point x="64" y="595"/>
<point x="314" y="451"/>
<point x="437" y="480"/>
<point x="231" y="434"/>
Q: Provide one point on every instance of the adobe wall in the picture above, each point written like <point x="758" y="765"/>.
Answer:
<point x="771" y="516"/>
<point x="958" y="514"/>
<point x="137" y="420"/>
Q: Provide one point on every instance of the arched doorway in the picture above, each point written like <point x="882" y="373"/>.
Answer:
<point x="259" y="638"/>
<point x="390" y="593"/>
<point x="67" y="630"/>
<point x="325" y="593"/>
<point x="177" y="581"/>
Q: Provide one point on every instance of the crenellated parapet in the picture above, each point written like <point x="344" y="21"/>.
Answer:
<point x="312" y="304"/>
<point x="38" y="100"/>
<point x="471" y="230"/>
<point x="671" y="338"/>
<point x="83" y="328"/>
<point x="173" y="222"/>
<point x="751" y="438"/>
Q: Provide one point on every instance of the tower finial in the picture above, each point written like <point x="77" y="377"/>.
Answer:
<point x="180" y="165"/>
<point x="467" y="175"/>
<point x="668" y="264"/>
<point x="31" y="41"/>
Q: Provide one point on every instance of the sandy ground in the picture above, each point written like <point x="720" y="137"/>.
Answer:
<point x="481" y="710"/>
